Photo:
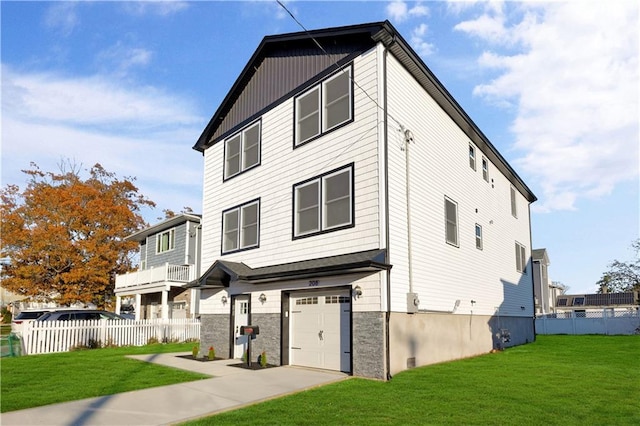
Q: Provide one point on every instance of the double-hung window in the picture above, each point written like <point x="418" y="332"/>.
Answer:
<point x="242" y="150"/>
<point x="521" y="258"/>
<point x="324" y="203"/>
<point x="324" y="107"/>
<point x="451" y="221"/>
<point x="478" y="237"/>
<point x="472" y="157"/>
<point x="166" y="241"/>
<point x="485" y="169"/>
<point x="240" y="227"/>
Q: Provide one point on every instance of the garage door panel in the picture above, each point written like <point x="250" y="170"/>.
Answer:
<point x="321" y="330"/>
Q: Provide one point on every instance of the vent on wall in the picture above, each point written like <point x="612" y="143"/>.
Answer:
<point x="411" y="362"/>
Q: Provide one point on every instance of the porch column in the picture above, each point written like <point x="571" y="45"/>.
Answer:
<point x="165" y="304"/>
<point x="138" y="307"/>
<point x="118" y="303"/>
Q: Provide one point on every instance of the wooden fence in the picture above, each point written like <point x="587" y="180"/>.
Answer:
<point x="40" y="337"/>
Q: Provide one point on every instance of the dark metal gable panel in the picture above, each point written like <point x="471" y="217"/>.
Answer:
<point x="281" y="66"/>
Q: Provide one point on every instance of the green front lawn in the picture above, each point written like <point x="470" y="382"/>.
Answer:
<point x="558" y="380"/>
<point x="36" y="380"/>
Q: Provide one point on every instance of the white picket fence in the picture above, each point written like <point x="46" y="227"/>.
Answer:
<point x="41" y="337"/>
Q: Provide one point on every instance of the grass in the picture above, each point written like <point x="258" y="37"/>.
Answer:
<point x="573" y="380"/>
<point x="36" y="380"/>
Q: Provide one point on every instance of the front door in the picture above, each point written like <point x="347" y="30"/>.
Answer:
<point x="240" y="318"/>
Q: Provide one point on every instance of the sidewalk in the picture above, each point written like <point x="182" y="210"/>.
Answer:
<point x="230" y="388"/>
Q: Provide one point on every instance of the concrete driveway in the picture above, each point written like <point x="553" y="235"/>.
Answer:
<point x="230" y="388"/>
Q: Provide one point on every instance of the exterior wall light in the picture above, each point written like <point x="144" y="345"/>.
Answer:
<point x="224" y="299"/>
<point x="357" y="292"/>
<point x="262" y="298"/>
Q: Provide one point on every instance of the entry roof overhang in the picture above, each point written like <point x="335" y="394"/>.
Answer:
<point x="222" y="272"/>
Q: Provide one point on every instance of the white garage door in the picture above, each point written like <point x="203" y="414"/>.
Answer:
<point x="321" y="330"/>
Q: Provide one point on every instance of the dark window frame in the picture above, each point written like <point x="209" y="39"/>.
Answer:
<point x="241" y="132"/>
<point x="455" y="243"/>
<point x="239" y="247"/>
<point x="322" y="229"/>
<point x="321" y="119"/>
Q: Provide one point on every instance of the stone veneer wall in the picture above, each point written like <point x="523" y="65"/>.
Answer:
<point x="368" y="352"/>
<point x="269" y="338"/>
<point x="214" y="331"/>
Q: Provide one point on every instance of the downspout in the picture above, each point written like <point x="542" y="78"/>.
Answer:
<point x="386" y="201"/>
<point x="533" y="290"/>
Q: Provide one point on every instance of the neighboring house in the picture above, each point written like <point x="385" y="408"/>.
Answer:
<point x="169" y="252"/>
<point x="545" y="291"/>
<point x="355" y="213"/>
<point x="581" y="305"/>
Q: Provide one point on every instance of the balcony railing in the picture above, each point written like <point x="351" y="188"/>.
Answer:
<point x="164" y="273"/>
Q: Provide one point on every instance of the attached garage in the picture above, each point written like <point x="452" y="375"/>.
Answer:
<point x="320" y="329"/>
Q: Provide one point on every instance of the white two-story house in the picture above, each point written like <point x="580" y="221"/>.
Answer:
<point x="169" y="256"/>
<point x="356" y="215"/>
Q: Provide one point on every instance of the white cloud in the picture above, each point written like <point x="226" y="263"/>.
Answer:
<point x="62" y="17"/>
<point x="399" y="11"/>
<point x="141" y="132"/>
<point x="418" y="41"/>
<point x="155" y="7"/>
<point x="121" y="59"/>
<point x="574" y="84"/>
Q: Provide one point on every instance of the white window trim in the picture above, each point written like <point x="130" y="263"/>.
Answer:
<point x="322" y="219"/>
<point x="472" y="157"/>
<point x="446" y="223"/>
<point x="514" y="201"/>
<point x="521" y="258"/>
<point x="479" y="238"/>
<point x="485" y="168"/>
<point x="172" y="240"/>
<point x="242" y="168"/>
<point x="322" y="126"/>
<point x="240" y="227"/>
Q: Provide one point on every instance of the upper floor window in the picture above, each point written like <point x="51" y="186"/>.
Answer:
<point x="478" y="237"/>
<point x="324" y="107"/>
<point x="242" y="150"/>
<point x="240" y="227"/>
<point x="514" y="205"/>
<point x="521" y="258"/>
<point x="324" y="203"/>
<point x="485" y="169"/>
<point x="472" y="157"/>
<point x="166" y="241"/>
<point x="451" y="221"/>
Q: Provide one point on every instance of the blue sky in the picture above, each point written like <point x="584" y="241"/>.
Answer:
<point x="131" y="85"/>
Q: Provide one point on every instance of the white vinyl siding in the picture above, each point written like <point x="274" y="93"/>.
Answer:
<point x="166" y="241"/>
<point x="451" y="221"/>
<point x="324" y="203"/>
<point x="324" y="107"/>
<point x="242" y="151"/>
<point x="240" y="227"/>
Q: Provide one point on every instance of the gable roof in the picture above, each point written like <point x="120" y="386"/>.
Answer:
<point x="540" y="255"/>
<point x="222" y="272"/>
<point x="165" y="224"/>
<point x="283" y="65"/>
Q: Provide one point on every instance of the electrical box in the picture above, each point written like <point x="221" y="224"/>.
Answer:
<point x="413" y="302"/>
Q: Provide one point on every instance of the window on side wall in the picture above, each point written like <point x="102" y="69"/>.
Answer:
<point x="472" y="157"/>
<point x="521" y="258"/>
<point x="242" y="150"/>
<point x="240" y="227"/>
<point x="165" y="241"/>
<point x="324" y="203"/>
<point x="451" y="221"/>
<point x="478" y="237"/>
<point x="324" y="107"/>
<point x="514" y="204"/>
<point x="485" y="169"/>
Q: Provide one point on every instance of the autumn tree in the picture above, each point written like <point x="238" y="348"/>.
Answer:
<point x="622" y="276"/>
<point x="64" y="235"/>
